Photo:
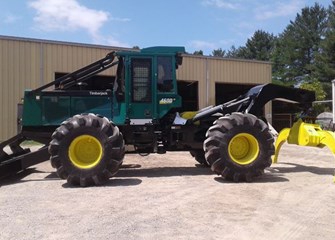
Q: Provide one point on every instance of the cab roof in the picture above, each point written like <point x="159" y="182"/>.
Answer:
<point x="159" y="50"/>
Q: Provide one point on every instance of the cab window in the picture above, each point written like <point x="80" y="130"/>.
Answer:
<point x="164" y="74"/>
<point x="141" y="80"/>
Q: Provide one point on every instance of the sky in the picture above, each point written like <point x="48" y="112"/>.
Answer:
<point x="195" y="24"/>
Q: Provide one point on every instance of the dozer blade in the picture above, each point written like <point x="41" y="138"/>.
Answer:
<point x="19" y="158"/>
<point x="305" y="134"/>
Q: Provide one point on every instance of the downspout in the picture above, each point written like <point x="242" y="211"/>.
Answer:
<point x="207" y="83"/>
<point x="41" y="64"/>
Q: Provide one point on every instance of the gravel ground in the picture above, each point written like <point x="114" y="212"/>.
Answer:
<point x="168" y="197"/>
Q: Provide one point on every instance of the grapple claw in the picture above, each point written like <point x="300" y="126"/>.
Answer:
<point x="305" y="134"/>
<point x="281" y="139"/>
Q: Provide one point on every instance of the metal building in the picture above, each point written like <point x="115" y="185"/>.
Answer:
<point x="28" y="63"/>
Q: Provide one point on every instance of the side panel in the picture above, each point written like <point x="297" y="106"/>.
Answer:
<point x="167" y="101"/>
<point x="98" y="105"/>
<point x="32" y="110"/>
<point x="52" y="108"/>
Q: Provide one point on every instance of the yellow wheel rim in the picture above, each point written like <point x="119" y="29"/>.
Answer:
<point x="85" y="151"/>
<point x="243" y="148"/>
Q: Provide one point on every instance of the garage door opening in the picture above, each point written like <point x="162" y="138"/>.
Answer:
<point x="225" y="92"/>
<point x="97" y="82"/>
<point x="189" y="93"/>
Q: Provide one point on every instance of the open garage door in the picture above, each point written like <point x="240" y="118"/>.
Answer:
<point x="97" y="82"/>
<point x="225" y="92"/>
<point x="189" y="93"/>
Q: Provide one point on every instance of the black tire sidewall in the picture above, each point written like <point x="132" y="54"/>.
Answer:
<point x="104" y="131"/>
<point x="221" y="134"/>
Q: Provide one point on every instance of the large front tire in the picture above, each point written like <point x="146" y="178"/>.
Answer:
<point x="239" y="147"/>
<point x="86" y="150"/>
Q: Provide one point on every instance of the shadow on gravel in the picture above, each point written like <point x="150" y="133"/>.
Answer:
<point x="125" y="177"/>
<point x="292" y="167"/>
<point x="113" y="182"/>
<point x="266" y="178"/>
<point x="130" y="166"/>
<point x="19" y="177"/>
<point x="163" y="172"/>
<point x="129" y="174"/>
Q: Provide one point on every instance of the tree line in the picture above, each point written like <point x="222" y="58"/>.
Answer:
<point x="302" y="55"/>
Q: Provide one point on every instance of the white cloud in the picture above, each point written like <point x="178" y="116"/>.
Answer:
<point x="120" y="19"/>
<point x="202" y="45"/>
<point x="67" y="15"/>
<point x="227" y="43"/>
<point x="70" y="15"/>
<point x="11" y="18"/>
<point x="221" y="4"/>
<point x="278" y="9"/>
<point x="109" y="40"/>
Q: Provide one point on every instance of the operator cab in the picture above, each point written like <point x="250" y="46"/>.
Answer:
<point x="145" y="87"/>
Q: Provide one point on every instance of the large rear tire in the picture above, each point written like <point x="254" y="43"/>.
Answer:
<point x="239" y="147"/>
<point x="86" y="150"/>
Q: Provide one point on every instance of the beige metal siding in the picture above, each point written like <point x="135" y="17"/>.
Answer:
<point x="18" y="69"/>
<point x="234" y="71"/>
<point x="208" y="71"/>
<point x="194" y="69"/>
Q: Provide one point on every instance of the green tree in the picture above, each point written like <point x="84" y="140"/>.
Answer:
<point x="260" y="46"/>
<point x="234" y="52"/>
<point x="316" y="86"/>
<point x="200" y="52"/>
<point x="218" y="52"/>
<point x="297" y="46"/>
<point x="325" y="59"/>
<point x="320" y="94"/>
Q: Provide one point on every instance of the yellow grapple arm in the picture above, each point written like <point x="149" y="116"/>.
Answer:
<point x="305" y="134"/>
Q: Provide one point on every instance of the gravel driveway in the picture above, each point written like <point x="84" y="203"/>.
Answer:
<point x="168" y="197"/>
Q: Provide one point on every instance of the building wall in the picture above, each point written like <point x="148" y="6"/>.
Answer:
<point x="209" y="70"/>
<point x="30" y="63"/>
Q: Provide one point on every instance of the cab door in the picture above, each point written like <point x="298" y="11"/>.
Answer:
<point x="141" y="91"/>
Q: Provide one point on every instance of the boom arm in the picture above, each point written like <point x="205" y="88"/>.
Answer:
<point x="255" y="99"/>
<point x="82" y="74"/>
<point x="262" y="94"/>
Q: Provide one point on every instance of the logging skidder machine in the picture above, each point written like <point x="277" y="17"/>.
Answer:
<point x="84" y="125"/>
